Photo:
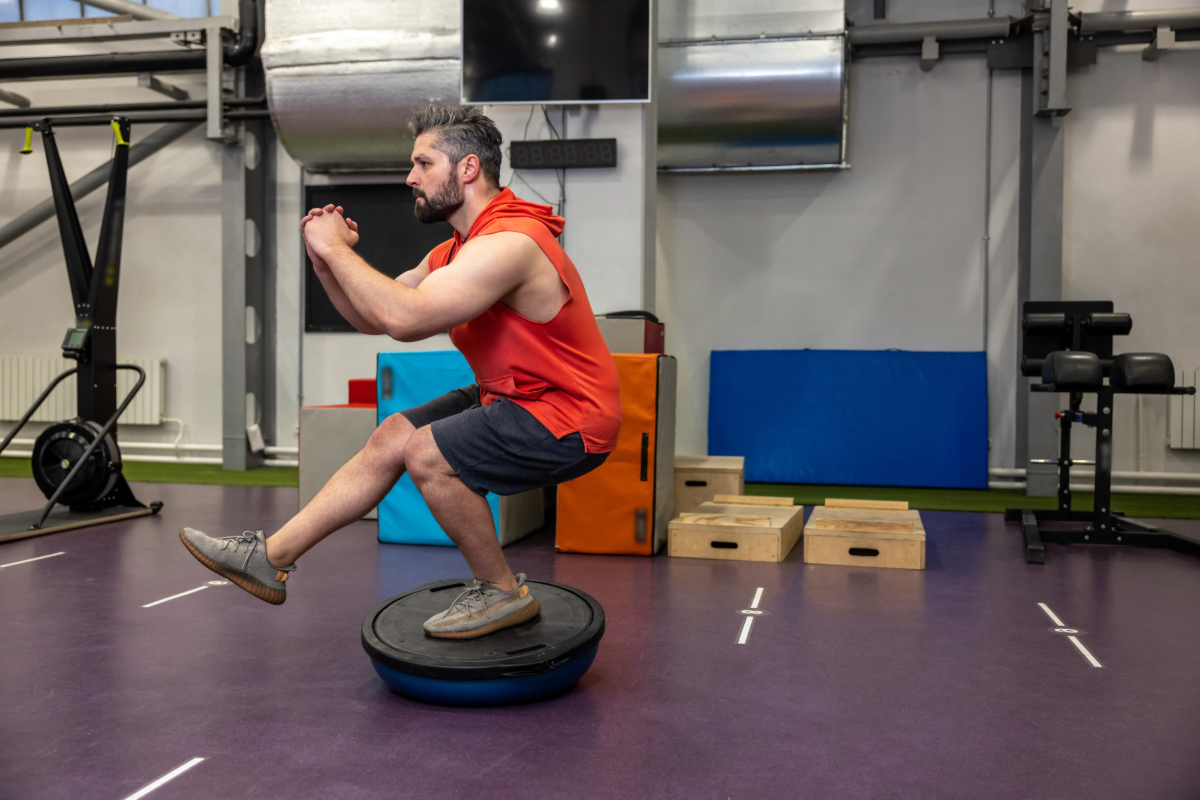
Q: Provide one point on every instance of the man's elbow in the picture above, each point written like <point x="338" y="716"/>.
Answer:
<point x="402" y="330"/>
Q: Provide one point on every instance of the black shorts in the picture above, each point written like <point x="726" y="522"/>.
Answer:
<point x="501" y="448"/>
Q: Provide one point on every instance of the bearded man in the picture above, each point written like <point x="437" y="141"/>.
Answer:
<point x="545" y="407"/>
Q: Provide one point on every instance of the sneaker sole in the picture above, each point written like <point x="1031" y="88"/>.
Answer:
<point x="243" y="579"/>
<point x="524" y="615"/>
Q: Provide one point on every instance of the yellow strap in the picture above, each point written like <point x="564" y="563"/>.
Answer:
<point x="28" y="141"/>
<point x="117" y="130"/>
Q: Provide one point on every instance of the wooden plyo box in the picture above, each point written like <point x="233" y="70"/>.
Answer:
<point x="699" y="478"/>
<point x="865" y="537"/>
<point x="736" y="533"/>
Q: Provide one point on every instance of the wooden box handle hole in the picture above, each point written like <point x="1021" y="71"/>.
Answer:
<point x="695" y="483"/>
<point x="725" y="545"/>
<point x="863" y="551"/>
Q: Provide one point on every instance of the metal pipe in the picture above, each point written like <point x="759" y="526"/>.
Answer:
<point x="1125" y="475"/>
<point x="237" y="53"/>
<point x="1189" y="491"/>
<point x="1105" y="21"/>
<point x="194" y="448"/>
<point x="116" y="108"/>
<point x="103" y="119"/>
<point x="269" y="462"/>
<point x="94" y="180"/>
<point x="892" y="33"/>
<point x="135" y="10"/>
<point x="783" y="168"/>
<point x="987" y="211"/>
<point x="36" y="404"/>
<point x="14" y="99"/>
<point x="101" y="64"/>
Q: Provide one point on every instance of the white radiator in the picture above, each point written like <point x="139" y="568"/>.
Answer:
<point x="1182" y="413"/>
<point x="24" y="378"/>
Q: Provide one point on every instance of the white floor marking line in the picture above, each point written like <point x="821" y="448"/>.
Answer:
<point x="1053" y="618"/>
<point x="174" y="596"/>
<point x="170" y="776"/>
<point x="26" y="561"/>
<point x="1085" y="652"/>
<point x="757" y="597"/>
<point x="745" y="630"/>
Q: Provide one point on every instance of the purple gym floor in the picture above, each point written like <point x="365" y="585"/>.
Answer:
<point x="856" y="683"/>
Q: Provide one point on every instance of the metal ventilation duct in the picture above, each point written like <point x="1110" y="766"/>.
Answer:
<point x="751" y="84"/>
<point x="763" y="89"/>
<point x="726" y="19"/>
<point x="343" y="78"/>
<point x="751" y="105"/>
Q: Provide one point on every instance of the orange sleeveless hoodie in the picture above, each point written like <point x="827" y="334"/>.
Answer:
<point x="560" y="371"/>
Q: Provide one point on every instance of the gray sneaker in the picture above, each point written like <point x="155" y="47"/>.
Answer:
<point x="241" y="559"/>
<point x="483" y="609"/>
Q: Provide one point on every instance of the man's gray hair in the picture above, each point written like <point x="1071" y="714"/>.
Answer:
<point x="462" y="131"/>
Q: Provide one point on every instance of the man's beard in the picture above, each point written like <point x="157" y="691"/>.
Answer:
<point x="438" y="207"/>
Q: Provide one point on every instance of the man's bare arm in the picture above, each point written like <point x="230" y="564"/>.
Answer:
<point x="485" y="270"/>
<point x="413" y="277"/>
<point x="333" y="289"/>
<point x="338" y="296"/>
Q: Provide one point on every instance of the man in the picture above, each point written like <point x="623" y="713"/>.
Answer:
<point x="545" y="409"/>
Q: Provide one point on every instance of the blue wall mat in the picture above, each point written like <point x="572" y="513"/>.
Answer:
<point x="404" y="380"/>
<point x="859" y="417"/>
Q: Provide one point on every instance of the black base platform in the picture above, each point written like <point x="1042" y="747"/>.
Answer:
<point x="541" y="657"/>
<point x="17" y="526"/>
<point x="1123" y="531"/>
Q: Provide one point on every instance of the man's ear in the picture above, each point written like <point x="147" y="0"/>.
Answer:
<point x="468" y="168"/>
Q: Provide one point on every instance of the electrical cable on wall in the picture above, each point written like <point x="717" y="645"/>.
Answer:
<point x="559" y="174"/>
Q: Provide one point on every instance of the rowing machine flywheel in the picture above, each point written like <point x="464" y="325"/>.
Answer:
<point x="58" y="449"/>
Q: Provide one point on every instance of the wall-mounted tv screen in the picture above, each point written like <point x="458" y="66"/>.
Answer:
<point x="556" y="51"/>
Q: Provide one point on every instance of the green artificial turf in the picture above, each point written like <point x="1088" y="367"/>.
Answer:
<point x="1154" y="506"/>
<point x="211" y="474"/>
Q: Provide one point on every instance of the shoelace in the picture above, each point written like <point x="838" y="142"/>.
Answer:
<point x="469" y="598"/>
<point x="248" y="538"/>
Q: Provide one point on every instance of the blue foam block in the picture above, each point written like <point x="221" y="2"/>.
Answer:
<point x="852" y="417"/>
<point x="404" y="380"/>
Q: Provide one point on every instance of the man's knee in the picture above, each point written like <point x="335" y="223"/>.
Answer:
<point x="390" y="439"/>
<point x="421" y="455"/>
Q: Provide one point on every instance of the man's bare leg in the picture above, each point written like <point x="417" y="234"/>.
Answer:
<point x="463" y="515"/>
<point x="355" y="489"/>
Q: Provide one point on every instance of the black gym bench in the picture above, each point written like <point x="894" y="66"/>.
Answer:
<point x="1069" y="344"/>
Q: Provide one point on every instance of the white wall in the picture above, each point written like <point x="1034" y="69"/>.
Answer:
<point x="170" y="296"/>
<point x="606" y="210"/>
<point x="1132" y="224"/>
<point x="606" y="234"/>
<point x="886" y="254"/>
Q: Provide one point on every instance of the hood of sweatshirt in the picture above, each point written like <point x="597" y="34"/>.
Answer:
<point x="507" y="205"/>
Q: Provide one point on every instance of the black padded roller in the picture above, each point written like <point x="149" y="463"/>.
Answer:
<point x="1143" y="371"/>
<point x="1108" y="324"/>
<point x="1072" y="371"/>
<point x="1044" y="324"/>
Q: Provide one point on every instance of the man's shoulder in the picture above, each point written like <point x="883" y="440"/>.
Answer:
<point x="529" y="226"/>
<point x="440" y="255"/>
<point x="513" y="240"/>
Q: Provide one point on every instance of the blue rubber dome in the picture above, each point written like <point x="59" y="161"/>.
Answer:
<point x="541" y="657"/>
